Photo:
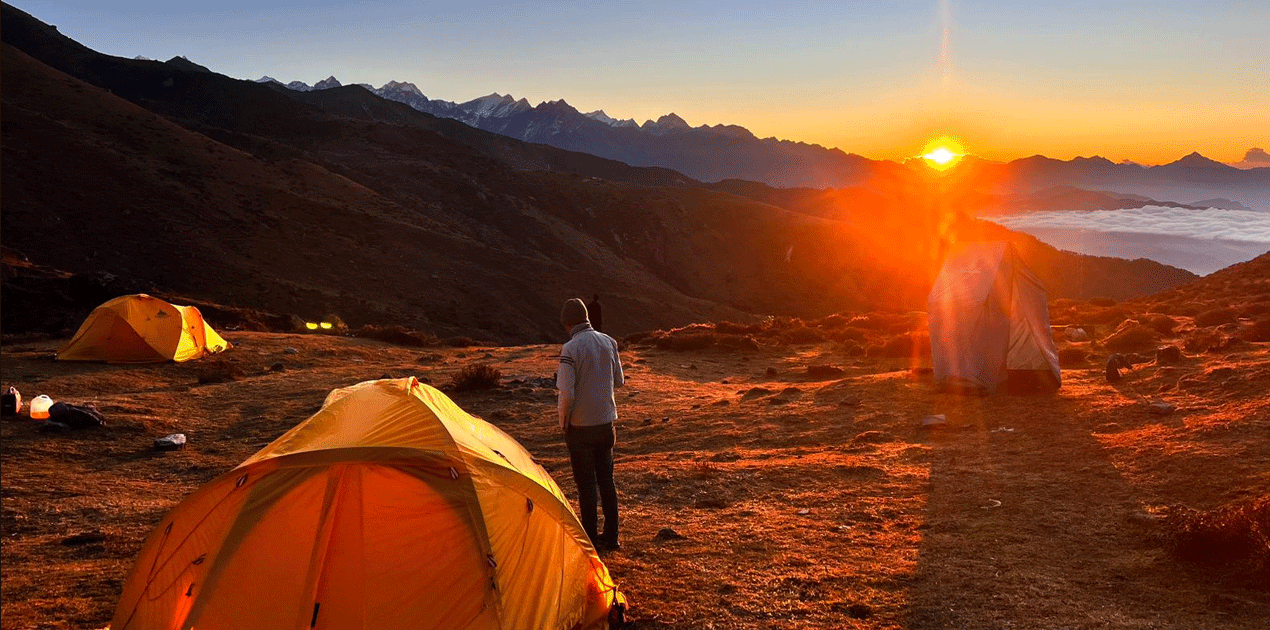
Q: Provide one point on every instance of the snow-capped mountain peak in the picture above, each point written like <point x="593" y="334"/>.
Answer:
<point x="403" y="87"/>
<point x="327" y="83"/>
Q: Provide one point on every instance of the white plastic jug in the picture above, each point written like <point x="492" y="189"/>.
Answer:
<point x="40" y="407"/>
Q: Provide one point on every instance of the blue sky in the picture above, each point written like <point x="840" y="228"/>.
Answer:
<point x="1147" y="81"/>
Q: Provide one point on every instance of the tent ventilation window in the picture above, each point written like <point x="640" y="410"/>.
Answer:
<point x="189" y="592"/>
<point x="241" y="480"/>
<point x="313" y="622"/>
<point x="199" y="560"/>
<point x="529" y="504"/>
<point x="454" y="474"/>
<point x="490" y="558"/>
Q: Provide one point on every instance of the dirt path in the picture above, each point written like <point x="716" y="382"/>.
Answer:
<point x="803" y="504"/>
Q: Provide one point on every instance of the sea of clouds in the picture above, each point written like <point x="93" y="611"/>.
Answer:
<point x="1201" y="241"/>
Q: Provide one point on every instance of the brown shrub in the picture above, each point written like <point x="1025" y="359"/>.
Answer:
<point x="1203" y="341"/>
<point x="638" y="338"/>
<point x="802" y="334"/>
<point x="913" y="344"/>
<point x="684" y="342"/>
<point x="824" y="371"/>
<point x="1104" y="302"/>
<point x="1073" y="357"/>
<point x="460" y="342"/>
<point x="398" y="335"/>
<point x="1255" y="309"/>
<point x="476" y="376"/>
<point x="1260" y="331"/>
<point x="1132" y="337"/>
<point x="730" y="328"/>
<point x="849" y="333"/>
<point x="1237" y="532"/>
<point x="1162" y="324"/>
<point x="1216" y="317"/>
<point x="738" y="342"/>
<point x="1107" y="316"/>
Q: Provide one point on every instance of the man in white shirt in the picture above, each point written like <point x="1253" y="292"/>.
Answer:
<point x="589" y="370"/>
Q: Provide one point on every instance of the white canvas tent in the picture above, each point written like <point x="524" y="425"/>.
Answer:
<point x="989" y="321"/>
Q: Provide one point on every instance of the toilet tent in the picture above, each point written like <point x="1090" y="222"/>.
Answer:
<point x="389" y="508"/>
<point x="989" y="321"/>
<point x="142" y="329"/>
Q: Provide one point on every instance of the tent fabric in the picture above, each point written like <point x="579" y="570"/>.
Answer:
<point x="142" y="329"/>
<point x="989" y="318"/>
<point x="389" y="508"/>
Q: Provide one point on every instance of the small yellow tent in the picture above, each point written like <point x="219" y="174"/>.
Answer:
<point x="142" y="329"/>
<point x="389" y="508"/>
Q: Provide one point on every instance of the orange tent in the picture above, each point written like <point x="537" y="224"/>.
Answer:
<point x="142" y="329"/>
<point x="390" y="507"/>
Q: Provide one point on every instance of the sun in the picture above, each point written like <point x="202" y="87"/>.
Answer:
<point x="942" y="153"/>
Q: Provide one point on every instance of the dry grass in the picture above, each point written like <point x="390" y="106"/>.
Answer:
<point x="1236" y="533"/>
<point x="475" y="377"/>
<point x="805" y="505"/>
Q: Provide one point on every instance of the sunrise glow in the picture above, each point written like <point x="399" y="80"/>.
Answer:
<point x="942" y="153"/>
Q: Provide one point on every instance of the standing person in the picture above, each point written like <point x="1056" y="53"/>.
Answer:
<point x="595" y="313"/>
<point x="589" y="370"/>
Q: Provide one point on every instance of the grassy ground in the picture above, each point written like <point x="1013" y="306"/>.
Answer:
<point x="803" y="503"/>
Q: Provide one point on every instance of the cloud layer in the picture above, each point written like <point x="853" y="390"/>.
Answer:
<point x="1231" y="225"/>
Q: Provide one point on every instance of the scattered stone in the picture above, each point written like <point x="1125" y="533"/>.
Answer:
<point x="173" y="442"/>
<point x="1115" y="363"/>
<point x="825" y="371"/>
<point x="803" y="512"/>
<point x="722" y="402"/>
<point x="648" y="421"/>
<point x="937" y="420"/>
<point x="724" y="381"/>
<point x="667" y="533"/>
<point x="278" y="367"/>
<point x="665" y="419"/>
<point x="219" y="372"/>
<point x="771" y="371"/>
<point x="290" y="351"/>
<point x="1076" y="334"/>
<point x="1161" y="408"/>
<point x="854" y="611"/>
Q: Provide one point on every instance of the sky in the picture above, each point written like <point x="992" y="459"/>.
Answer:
<point x="1130" y="80"/>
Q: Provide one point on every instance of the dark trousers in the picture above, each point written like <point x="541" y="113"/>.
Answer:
<point x="591" y="454"/>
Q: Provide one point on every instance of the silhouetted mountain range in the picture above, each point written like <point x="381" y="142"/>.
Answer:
<point x="714" y="153"/>
<point x="340" y="201"/>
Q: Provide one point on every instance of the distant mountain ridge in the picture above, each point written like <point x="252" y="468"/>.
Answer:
<point x="721" y="152"/>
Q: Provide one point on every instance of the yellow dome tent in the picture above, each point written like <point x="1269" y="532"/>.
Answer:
<point x="142" y="329"/>
<point x="389" y="508"/>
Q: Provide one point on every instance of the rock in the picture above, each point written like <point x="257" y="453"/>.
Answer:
<point x="172" y="442"/>
<point x="290" y="351"/>
<point x="1115" y="363"/>
<point x="648" y="421"/>
<point x="1076" y="334"/>
<point x="937" y="420"/>
<point x="854" y="611"/>
<point x="1168" y="355"/>
<point x="803" y="512"/>
<point x="771" y="371"/>
<point x="1161" y="408"/>
<point x="278" y="367"/>
<point x="667" y="533"/>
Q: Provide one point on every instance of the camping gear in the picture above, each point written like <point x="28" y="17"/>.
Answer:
<point x="76" y="416"/>
<point x="11" y="402"/>
<point x="389" y="508"/>
<point x="173" y="442"/>
<point x="989" y="322"/>
<point x="40" y="407"/>
<point x="142" y="329"/>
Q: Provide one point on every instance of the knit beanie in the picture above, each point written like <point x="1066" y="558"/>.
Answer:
<point x="573" y="313"/>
